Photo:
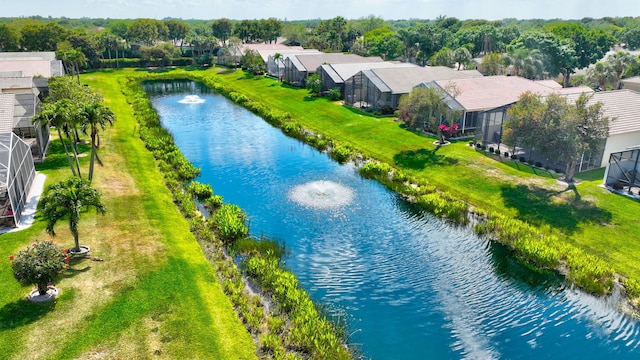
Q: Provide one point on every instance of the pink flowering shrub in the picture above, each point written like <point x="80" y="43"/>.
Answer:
<point x="39" y="264"/>
<point x="448" y="131"/>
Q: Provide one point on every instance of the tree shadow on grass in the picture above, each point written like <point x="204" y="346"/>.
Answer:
<point x="22" y="312"/>
<point x="56" y="158"/>
<point x="542" y="206"/>
<point x="419" y="159"/>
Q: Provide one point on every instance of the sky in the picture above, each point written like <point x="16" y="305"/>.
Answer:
<point x="321" y="9"/>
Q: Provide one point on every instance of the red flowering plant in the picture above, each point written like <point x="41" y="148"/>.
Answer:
<point x="448" y="131"/>
<point x="39" y="264"/>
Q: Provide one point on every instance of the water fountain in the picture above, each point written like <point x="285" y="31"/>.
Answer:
<point x="192" y="99"/>
<point x="321" y="194"/>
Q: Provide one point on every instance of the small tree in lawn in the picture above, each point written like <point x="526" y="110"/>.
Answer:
<point x="425" y="108"/>
<point x="68" y="198"/>
<point x="582" y="129"/>
<point x="39" y="264"/>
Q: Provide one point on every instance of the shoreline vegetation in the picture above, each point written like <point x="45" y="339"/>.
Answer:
<point x="543" y="246"/>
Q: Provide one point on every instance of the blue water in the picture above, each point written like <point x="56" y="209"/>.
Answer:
<point x="413" y="287"/>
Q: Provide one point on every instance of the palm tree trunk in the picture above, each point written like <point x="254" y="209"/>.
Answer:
<point x="66" y="151"/>
<point x="75" y="152"/>
<point x="117" y="65"/>
<point x="93" y="153"/>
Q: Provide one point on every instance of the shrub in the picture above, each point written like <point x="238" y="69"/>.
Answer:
<point x="617" y="186"/>
<point x="530" y="162"/>
<point x="334" y="94"/>
<point x="483" y="147"/>
<point x="497" y="151"/>
<point x="212" y="203"/>
<point x="490" y="149"/>
<point x="229" y="220"/>
<point x="514" y="156"/>
<point x="559" y="171"/>
<point x="471" y="143"/>
<point x="538" y="164"/>
<point x="39" y="264"/>
<point x="199" y="190"/>
<point x="478" y="145"/>
<point x="387" y="110"/>
<point x="341" y="153"/>
<point x="506" y="154"/>
<point x="522" y="159"/>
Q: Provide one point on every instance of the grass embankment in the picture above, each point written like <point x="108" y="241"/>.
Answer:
<point x="587" y="216"/>
<point x="154" y="293"/>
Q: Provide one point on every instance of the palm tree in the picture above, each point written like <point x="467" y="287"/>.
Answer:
<point x="277" y="58"/>
<point x="602" y="73"/>
<point x="462" y="56"/>
<point x="60" y="115"/>
<point x="68" y="198"/>
<point x="526" y="63"/>
<point x="620" y="62"/>
<point x="95" y="116"/>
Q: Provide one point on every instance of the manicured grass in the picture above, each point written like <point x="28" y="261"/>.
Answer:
<point x="587" y="216"/>
<point x="154" y="293"/>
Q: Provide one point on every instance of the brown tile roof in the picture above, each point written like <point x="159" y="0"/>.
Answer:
<point x="490" y="92"/>
<point x="311" y="62"/>
<point x="402" y="80"/>
<point x="623" y="105"/>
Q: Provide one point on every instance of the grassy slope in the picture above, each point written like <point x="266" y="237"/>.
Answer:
<point x="153" y="293"/>
<point x="591" y="217"/>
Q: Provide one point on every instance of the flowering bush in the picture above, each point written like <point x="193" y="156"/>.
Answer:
<point x="448" y="131"/>
<point x="39" y="264"/>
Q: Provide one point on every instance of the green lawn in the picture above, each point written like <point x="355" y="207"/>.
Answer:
<point x="154" y="293"/>
<point x="589" y="216"/>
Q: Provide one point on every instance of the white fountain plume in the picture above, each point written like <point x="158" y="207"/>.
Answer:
<point x="192" y="99"/>
<point x="322" y="194"/>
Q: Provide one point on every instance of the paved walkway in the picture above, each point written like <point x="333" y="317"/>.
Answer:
<point x="29" y="211"/>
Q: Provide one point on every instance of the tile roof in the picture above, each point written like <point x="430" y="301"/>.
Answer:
<point x="621" y="105"/>
<point x="490" y="92"/>
<point x="29" y="67"/>
<point x="311" y="62"/>
<point x="402" y="80"/>
<point x="340" y="72"/>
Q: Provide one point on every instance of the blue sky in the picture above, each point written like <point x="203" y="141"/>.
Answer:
<point x="324" y="9"/>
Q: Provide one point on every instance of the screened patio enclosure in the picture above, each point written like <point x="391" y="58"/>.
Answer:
<point x="16" y="176"/>
<point x="624" y="168"/>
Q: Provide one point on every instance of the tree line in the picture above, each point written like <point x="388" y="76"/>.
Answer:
<point x="534" y="49"/>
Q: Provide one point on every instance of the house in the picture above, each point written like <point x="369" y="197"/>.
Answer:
<point x="334" y="75"/>
<point x="379" y="88"/>
<point x="631" y="83"/>
<point x="17" y="170"/>
<point x="27" y="100"/>
<point x="25" y="75"/>
<point x="275" y="66"/>
<point x="484" y="101"/>
<point x="298" y="67"/>
<point x="623" y="107"/>
<point x="623" y="169"/>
